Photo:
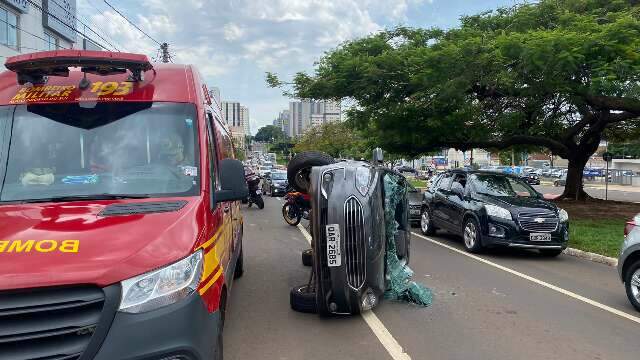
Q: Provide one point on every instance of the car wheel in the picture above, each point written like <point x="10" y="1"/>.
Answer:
<point x="550" y="252"/>
<point x="239" y="270"/>
<point x="307" y="257"/>
<point x="471" y="236"/>
<point x="426" y="224"/>
<point x="299" y="168"/>
<point x="556" y="184"/>
<point x="303" y="299"/>
<point x="632" y="284"/>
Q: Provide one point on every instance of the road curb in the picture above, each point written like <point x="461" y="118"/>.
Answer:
<point x="592" y="256"/>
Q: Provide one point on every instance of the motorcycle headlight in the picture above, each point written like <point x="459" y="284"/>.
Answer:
<point x="563" y="215"/>
<point x="498" y="212"/>
<point x="162" y="287"/>
<point x="363" y="178"/>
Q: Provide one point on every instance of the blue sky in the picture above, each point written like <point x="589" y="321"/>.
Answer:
<point x="234" y="42"/>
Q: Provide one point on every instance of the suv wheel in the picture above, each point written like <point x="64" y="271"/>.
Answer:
<point x="426" y="225"/>
<point x="632" y="284"/>
<point x="471" y="236"/>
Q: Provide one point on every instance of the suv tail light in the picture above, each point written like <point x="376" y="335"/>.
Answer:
<point x="631" y="224"/>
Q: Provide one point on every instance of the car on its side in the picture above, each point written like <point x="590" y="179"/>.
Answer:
<point x="275" y="183"/>
<point x="629" y="261"/>
<point x="490" y="210"/>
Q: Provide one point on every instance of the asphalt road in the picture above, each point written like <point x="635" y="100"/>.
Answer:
<point x="501" y="305"/>
<point x="596" y="192"/>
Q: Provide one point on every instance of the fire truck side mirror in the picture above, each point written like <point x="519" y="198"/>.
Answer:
<point x="232" y="183"/>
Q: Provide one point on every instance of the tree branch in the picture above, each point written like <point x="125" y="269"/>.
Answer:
<point x="623" y="116"/>
<point x="556" y="146"/>
<point x="614" y="103"/>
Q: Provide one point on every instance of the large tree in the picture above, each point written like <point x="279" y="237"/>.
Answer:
<point x="269" y="133"/>
<point x="336" y="139"/>
<point x="556" y="74"/>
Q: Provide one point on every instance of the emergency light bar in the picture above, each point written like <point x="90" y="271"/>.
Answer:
<point x="35" y="67"/>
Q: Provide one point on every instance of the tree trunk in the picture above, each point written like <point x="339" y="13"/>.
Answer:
<point x="574" y="188"/>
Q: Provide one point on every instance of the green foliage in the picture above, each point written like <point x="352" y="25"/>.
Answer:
<point x="269" y="133"/>
<point x="554" y="74"/>
<point x="336" y="139"/>
<point x="624" y="150"/>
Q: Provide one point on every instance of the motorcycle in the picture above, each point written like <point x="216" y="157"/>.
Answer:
<point x="255" y="193"/>
<point x="297" y="205"/>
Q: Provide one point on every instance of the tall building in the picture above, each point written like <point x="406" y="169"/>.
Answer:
<point x="306" y="113"/>
<point x="244" y="119"/>
<point x="231" y="113"/>
<point x="282" y="122"/>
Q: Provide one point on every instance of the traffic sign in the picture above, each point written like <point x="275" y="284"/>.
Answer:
<point x="607" y="156"/>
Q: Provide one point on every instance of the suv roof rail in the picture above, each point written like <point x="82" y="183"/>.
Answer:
<point x="36" y="67"/>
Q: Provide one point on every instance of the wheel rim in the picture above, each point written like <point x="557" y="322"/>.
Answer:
<point x="470" y="235"/>
<point x="288" y="209"/>
<point x="635" y="285"/>
<point x="424" y="222"/>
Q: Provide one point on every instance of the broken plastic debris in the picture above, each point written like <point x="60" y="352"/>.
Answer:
<point x="398" y="272"/>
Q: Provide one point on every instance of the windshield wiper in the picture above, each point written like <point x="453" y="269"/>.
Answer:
<point x="85" y="197"/>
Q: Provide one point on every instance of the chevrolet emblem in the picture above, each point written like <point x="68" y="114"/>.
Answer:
<point x="539" y="220"/>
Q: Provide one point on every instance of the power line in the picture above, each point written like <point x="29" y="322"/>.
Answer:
<point x="86" y="26"/>
<point x="131" y="23"/>
<point x="92" y="22"/>
<point x="28" y="33"/>
<point x="60" y="20"/>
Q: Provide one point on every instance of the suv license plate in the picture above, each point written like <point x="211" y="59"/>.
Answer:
<point x="334" y="257"/>
<point x="540" y="237"/>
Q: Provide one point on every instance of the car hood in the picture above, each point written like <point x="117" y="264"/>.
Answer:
<point x="415" y="198"/>
<point x="517" y="202"/>
<point x="109" y="248"/>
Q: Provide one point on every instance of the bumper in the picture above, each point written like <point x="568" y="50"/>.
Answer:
<point x="278" y="191"/>
<point x="414" y="215"/>
<point x="516" y="237"/>
<point x="182" y="331"/>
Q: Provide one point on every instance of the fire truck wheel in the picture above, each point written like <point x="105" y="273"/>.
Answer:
<point x="302" y="299"/>
<point x="299" y="168"/>
<point x="307" y="257"/>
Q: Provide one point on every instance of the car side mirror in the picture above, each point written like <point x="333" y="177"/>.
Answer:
<point x="232" y="182"/>
<point x="457" y="189"/>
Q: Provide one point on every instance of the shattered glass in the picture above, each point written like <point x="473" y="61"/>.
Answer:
<point x="398" y="272"/>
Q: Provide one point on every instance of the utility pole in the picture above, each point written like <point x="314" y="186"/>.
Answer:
<point x="164" y="47"/>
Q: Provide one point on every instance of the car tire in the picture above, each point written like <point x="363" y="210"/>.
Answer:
<point x="300" y="166"/>
<point x="302" y="300"/>
<point x="632" y="284"/>
<point x="307" y="257"/>
<point x="471" y="235"/>
<point x="556" y="184"/>
<point x="239" y="270"/>
<point x="550" y="252"/>
<point x="426" y="223"/>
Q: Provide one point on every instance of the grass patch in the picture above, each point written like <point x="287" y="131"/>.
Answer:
<point x="603" y="236"/>
<point x="418" y="183"/>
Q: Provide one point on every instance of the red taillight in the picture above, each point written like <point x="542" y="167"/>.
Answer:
<point x="628" y="227"/>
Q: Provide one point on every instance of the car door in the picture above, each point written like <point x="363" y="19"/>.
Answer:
<point x="455" y="205"/>
<point x="439" y="210"/>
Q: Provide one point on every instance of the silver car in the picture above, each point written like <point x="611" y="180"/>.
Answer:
<point x="629" y="261"/>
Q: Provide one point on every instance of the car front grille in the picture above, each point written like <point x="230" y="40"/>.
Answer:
<point x="354" y="243"/>
<point x="51" y="324"/>
<point x="543" y="221"/>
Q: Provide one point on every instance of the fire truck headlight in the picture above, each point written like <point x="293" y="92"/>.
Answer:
<point x="162" y="287"/>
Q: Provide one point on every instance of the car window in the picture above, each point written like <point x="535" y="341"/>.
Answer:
<point x="445" y="182"/>
<point x="500" y="185"/>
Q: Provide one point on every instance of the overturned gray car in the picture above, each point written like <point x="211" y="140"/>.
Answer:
<point x="360" y="239"/>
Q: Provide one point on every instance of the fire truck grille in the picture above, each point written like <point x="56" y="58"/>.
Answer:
<point x="354" y="243"/>
<point x="48" y="324"/>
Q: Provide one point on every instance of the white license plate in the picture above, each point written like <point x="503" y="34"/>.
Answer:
<point x="415" y="212"/>
<point x="540" y="237"/>
<point x="334" y="257"/>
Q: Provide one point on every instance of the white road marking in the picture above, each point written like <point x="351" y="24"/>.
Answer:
<point x="377" y="327"/>
<point x="537" y="281"/>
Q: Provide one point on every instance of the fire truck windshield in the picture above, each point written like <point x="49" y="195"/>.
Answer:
<point x="58" y="151"/>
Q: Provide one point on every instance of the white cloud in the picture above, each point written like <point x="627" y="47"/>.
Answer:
<point x="232" y="32"/>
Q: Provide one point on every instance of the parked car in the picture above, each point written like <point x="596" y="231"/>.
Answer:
<point x="530" y="178"/>
<point x="560" y="182"/>
<point x="415" y="204"/>
<point x="264" y="170"/>
<point x="490" y="209"/>
<point x="629" y="261"/>
<point x="140" y="176"/>
<point x="275" y="183"/>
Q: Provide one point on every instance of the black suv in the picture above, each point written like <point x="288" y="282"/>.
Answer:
<point x="490" y="209"/>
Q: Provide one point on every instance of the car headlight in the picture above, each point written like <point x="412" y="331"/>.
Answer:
<point x="363" y="178"/>
<point x="162" y="287"/>
<point x="563" y="215"/>
<point x="498" y="212"/>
